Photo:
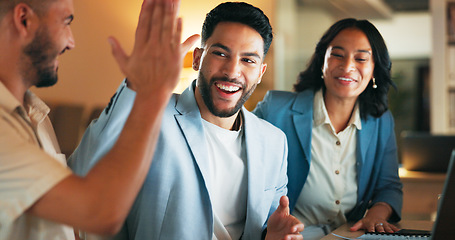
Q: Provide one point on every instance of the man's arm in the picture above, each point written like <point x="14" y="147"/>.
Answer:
<point x="100" y="201"/>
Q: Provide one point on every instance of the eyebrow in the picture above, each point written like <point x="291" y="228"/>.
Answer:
<point x="360" y="50"/>
<point x="225" y="48"/>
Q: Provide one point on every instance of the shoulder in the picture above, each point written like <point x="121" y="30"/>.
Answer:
<point x="383" y="126"/>
<point x="262" y="127"/>
<point x="277" y="104"/>
<point x="279" y="98"/>
<point x="385" y="120"/>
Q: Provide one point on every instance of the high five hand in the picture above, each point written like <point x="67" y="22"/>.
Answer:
<point x="156" y="61"/>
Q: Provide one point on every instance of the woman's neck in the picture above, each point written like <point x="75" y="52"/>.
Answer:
<point x="339" y="111"/>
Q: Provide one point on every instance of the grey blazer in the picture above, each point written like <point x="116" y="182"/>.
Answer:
<point x="174" y="202"/>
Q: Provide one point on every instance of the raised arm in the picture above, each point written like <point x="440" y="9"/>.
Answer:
<point x="100" y="201"/>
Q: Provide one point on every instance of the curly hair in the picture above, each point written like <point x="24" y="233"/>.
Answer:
<point x="372" y="101"/>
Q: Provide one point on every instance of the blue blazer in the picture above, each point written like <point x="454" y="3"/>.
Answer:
<point x="377" y="162"/>
<point x="174" y="202"/>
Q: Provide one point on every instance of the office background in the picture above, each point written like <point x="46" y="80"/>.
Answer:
<point x="88" y="75"/>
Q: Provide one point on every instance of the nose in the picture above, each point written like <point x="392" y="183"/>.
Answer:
<point x="232" y="69"/>
<point x="348" y="64"/>
<point x="71" y="42"/>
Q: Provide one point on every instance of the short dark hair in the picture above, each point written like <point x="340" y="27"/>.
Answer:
<point x="39" y="6"/>
<point x="238" y="12"/>
<point x="371" y="101"/>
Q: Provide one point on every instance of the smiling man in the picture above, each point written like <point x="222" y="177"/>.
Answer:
<point x="219" y="172"/>
<point x="40" y="198"/>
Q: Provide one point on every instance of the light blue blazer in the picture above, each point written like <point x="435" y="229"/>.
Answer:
<point x="377" y="162"/>
<point x="174" y="202"/>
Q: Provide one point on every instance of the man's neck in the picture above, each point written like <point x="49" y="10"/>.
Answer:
<point x="10" y="67"/>
<point x="16" y="88"/>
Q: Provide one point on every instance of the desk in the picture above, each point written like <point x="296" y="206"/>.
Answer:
<point x="345" y="232"/>
<point x="420" y="191"/>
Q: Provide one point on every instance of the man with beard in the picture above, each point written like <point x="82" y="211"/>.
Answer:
<point x="39" y="196"/>
<point x="219" y="172"/>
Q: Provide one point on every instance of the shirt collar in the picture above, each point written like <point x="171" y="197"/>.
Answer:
<point x="320" y="115"/>
<point x="355" y="117"/>
<point x="35" y="108"/>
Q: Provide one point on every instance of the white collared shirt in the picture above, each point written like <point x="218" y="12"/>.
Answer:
<point x="331" y="187"/>
<point x="30" y="165"/>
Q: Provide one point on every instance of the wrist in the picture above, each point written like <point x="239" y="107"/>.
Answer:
<point x="384" y="207"/>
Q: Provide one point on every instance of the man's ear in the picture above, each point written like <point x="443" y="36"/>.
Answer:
<point x="197" y="54"/>
<point x="263" y="68"/>
<point x="23" y="16"/>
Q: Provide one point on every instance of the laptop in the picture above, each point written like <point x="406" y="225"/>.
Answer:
<point x="422" y="151"/>
<point x="443" y="226"/>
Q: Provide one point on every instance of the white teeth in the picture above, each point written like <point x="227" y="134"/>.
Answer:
<point x="227" y="88"/>
<point x="346" y="79"/>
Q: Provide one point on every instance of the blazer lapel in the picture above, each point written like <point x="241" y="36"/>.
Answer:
<point x="255" y="177"/>
<point x="190" y="122"/>
<point x="303" y="120"/>
<point x="364" y="137"/>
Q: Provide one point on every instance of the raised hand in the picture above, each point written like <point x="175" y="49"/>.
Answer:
<point x="156" y="61"/>
<point x="282" y="225"/>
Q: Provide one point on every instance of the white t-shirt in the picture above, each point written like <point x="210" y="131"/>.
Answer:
<point x="30" y="165"/>
<point x="331" y="187"/>
<point x="227" y="183"/>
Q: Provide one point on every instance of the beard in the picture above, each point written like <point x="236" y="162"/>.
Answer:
<point x="204" y="88"/>
<point x="41" y="55"/>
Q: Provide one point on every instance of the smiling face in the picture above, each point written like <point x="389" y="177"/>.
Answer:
<point x="230" y="67"/>
<point x="51" y="39"/>
<point x="348" y="65"/>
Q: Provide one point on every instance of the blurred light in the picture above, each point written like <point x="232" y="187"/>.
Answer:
<point x="402" y="172"/>
<point x="187" y="75"/>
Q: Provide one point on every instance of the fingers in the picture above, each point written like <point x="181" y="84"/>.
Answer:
<point x="157" y="22"/>
<point x="119" y="54"/>
<point x="357" y="226"/>
<point x="383" y="227"/>
<point x="295" y="230"/>
<point x="394" y="228"/>
<point x="170" y="25"/>
<point x="387" y="227"/>
<point x="284" y="205"/>
<point x="378" y="227"/>
<point x="298" y="227"/>
<point x="144" y="24"/>
<point x="294" y="237"/>
<point x="189" y="43"/>
<point x="374" y="227"/>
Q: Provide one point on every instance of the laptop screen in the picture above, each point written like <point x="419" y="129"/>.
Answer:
<point x="426" y="152"/>
<point x="443" y="226"/>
